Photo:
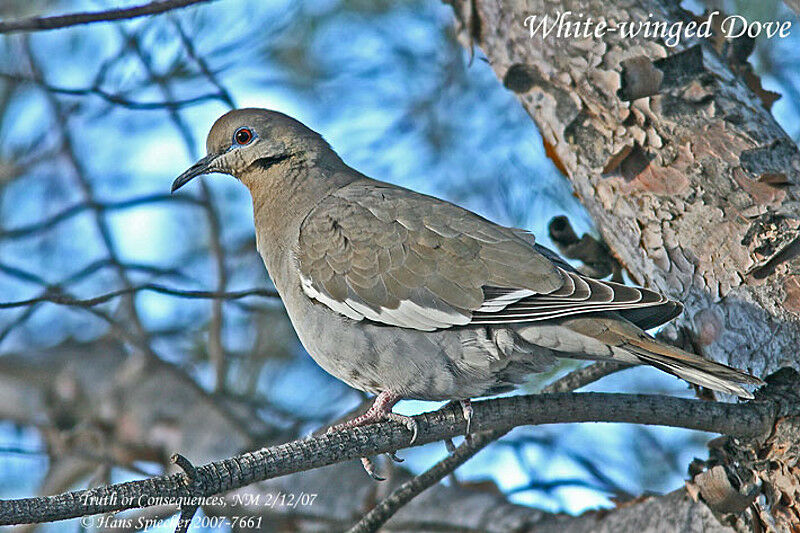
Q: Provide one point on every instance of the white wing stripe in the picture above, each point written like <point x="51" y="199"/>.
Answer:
<point x="409" y="314"/>
<point x="498" y="303"/>
<point x="339" y="307"/>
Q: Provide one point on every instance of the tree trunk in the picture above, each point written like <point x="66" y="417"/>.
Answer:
<point x="687" y="176"/>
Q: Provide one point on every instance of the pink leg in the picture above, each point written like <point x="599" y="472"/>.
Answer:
<point x="381" y="410"/>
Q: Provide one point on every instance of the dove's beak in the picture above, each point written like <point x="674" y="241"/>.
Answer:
<point x="204" y="166"/>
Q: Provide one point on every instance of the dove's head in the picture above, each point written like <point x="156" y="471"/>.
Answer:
<point x="245" y="141"/>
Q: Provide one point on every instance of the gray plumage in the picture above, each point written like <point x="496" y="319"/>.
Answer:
<point x="399" y="293"/>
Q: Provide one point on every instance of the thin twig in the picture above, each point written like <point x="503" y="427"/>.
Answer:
<point x="604" y="482"/>
<point x="69" y="212"/>
<point x="65" y="299"/>
<point x="87" y="190"/>
<point x="216" y="350"/>
<point x="202" y="64"/>
<point x="112" y="98"/>
<point x="415" y="486"/>
<point x="74" y="19"/>
<point x="584" y="376"/>
<point x="187" y="510"/>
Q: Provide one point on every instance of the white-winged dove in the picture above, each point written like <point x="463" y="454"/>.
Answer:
<point x="404" y="295"/>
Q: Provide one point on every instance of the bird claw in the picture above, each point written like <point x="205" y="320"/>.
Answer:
<point x="369" y="467"/>
<point x="408" y="422"/>
<point x="466" y="409"/>
<point x="393" y="457"/>
<point x="448" y="444"/>
<point x="380" y="410"/>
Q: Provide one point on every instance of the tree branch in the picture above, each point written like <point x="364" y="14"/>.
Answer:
<point x="112" y="98"/>
<point x="690" y="181"/>
<point x="65" y="299"/>
<point x="88" y="192"/>
<point x="74" y="19"/>
<point x="751" y="419"/>
<point x="74" y="210"/>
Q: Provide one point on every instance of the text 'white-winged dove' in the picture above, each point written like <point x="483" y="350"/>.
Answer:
<point x="407" y="296"/>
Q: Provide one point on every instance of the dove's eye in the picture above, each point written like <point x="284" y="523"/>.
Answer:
<point x="243" y="136"/>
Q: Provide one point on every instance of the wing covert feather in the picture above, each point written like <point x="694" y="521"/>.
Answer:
<point x="397" y="257"/>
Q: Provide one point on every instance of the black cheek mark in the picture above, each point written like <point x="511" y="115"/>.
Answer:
<point x="266" y="162"/>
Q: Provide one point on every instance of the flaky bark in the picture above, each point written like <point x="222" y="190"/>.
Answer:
<point x="694" y="188"/>
<point x="688" y="178"/>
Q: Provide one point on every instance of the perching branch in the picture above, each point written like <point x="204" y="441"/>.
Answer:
<point x="750" y="419"/>
<point x="74" y="19"/>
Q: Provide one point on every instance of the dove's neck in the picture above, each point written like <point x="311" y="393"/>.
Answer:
<point x="283" y="195"/>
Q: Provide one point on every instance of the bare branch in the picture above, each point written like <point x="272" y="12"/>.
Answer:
<point x="88" y="193"/>
<point x="202" y="64"/>
<point x="215" y="346"/>
<point x="75" y="19"/>
<point x="742" y="420"/>
<point x="61" y="298"/>
<point x="74" y="210"/>
<point x="112" y="98"/>
<point x="584" y="376"/>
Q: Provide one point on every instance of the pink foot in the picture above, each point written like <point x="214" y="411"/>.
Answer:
<point x="381" y="410"/>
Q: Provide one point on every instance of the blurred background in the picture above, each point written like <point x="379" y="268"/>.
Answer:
<point x="128" y="315"/>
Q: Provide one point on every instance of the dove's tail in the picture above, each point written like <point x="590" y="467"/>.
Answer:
<point x="697" y="370"/>
<point x="649" y="351"/>
<point x="690" y="367"/>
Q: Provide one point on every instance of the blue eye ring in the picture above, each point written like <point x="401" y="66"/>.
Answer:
<point x="243" y="136"/>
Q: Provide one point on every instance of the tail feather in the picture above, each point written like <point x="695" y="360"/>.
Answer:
<point x="700" y="371"/>
<point x="618" y="332"/>
<point x="690" y="367"/>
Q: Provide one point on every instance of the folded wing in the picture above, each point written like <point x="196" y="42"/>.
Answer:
<point x="396" y="257"/>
